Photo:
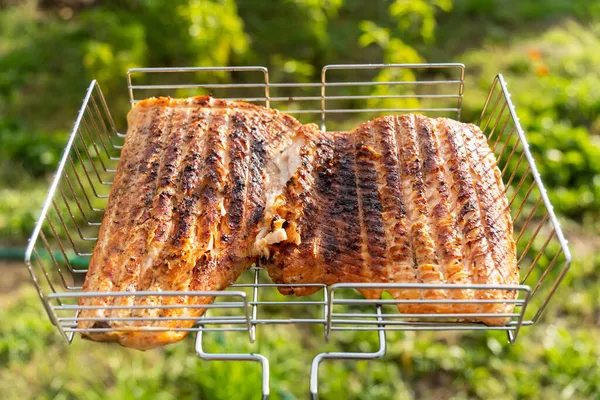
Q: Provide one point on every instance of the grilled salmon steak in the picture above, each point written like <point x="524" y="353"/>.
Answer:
<point x="206" y="187"/>
<point x="400" y="199"/>
<point x="190" y="190"/>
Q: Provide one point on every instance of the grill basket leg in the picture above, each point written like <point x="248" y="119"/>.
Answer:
<point x="264" y="362"/>
<point x="314" y="370"/>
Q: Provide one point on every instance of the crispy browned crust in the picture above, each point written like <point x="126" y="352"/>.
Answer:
<point x="400" y="199"/>
<point x="405" y="199"/>
<point x="183" y="211"/>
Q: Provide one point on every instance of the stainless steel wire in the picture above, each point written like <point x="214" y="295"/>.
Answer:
<point x="66" y="231"/>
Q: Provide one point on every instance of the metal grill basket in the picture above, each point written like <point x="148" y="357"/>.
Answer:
<point x="65" y="234"/>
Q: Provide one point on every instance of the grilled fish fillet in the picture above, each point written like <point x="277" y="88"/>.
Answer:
<point x="400" y="199"/>
<point x="190" y="189"/>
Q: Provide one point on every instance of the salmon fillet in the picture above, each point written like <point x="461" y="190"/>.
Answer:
<point x="206" y="187"/>
<point x="188" y="195"/>
<point x="400" y="199"/>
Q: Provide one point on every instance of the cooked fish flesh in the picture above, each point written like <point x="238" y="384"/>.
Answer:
<point x="190" y="190"/>
<point x="400" y="199"/>
<point x="206" y="187"/>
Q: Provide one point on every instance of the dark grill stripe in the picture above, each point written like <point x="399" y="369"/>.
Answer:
<point x="160" y="127"/>
<point x="188" y="181"/>
<point x="461" y="185"/>
<point x="166" y="202"/>
<point x="394" y="210"/>
<point x="475" y="253"/>
<point x="135" y="173"/>
<point x="316" y="201"/>
<point x="372" y="232"/>
<point x="372" y="208"/>
<point x="136" y="167"/>
<point x="164" y="177"/>
<point x="401" y="190"/>
<point x="426" y="156"/>
<point x="452" y="255"/>
<point x="238" y="154"/>
<point x="255" y="202"/>
<point x="413" y="190"/>
<point x="141" y="174"/>
<point x="183" y="226"/>
<point x="489" y="198"/>
<point x="203" y="185"/>
<point x="328" y="187"/>
<point x="209" y="190"/>
<point x="436" y="194"/>
<point x="346" y="211"/>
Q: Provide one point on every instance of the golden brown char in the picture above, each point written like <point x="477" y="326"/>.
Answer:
<point x="205" y="187"/>
<point x="405" y="199"/>
<point x="187" y="197"/>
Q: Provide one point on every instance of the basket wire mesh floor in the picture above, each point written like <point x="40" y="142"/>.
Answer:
<point x="65" y="234"/>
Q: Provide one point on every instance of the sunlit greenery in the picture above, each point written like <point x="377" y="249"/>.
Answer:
<point x="548" y="52"/>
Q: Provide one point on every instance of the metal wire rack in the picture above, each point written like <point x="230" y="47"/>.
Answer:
<point x="65" y="234"/>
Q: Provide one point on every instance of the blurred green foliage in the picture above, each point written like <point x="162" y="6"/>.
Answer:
<point x="548" y="52"/>
<point x="555" y="85"/>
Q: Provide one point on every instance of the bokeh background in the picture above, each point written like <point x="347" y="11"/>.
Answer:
<point x="549" y="52"/>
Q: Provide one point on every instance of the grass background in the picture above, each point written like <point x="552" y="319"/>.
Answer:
<point x="548" y="51"/>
